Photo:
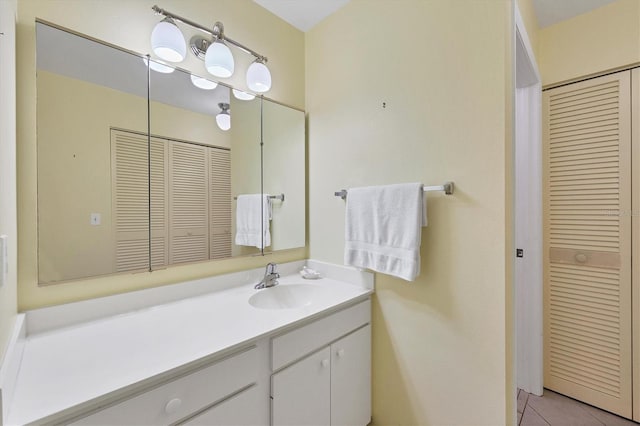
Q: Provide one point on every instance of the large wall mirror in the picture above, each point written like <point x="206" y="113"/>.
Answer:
<point x="140" y="169"/>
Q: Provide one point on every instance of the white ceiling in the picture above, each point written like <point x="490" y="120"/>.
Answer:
<point x="305" y="14"/>
<point x="551" y="12"/>
<point x="302" y="14"/>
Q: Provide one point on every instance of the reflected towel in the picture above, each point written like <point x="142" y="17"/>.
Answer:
<point x="253" y="212"/>
<point x="383" y="229"/>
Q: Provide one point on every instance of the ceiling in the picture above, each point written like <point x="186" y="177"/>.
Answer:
<point x="551" y="12"/>
<point x="305" y="14"/>
<point x="302" y="14"/>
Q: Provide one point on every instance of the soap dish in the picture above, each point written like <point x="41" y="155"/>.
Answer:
<point x="309" y="274"/>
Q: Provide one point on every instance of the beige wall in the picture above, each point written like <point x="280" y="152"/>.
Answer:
<point x="8" y="219"/>
<point x="601" y="40"/>
<point x="442" y="344"/>
<point x="129" y="24"/>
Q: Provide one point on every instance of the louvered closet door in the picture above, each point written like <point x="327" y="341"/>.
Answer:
<point x="130" y="200"/>
<point x="587" y="242"/>
<point x="159" y="203"/>
<point x="188" y="203"/>
<point x="220" y="203"/>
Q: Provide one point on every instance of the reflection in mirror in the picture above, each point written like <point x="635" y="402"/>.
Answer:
<point x="245" y="173"/>
<point x="204" y="146"/>
<point x="86" y="93"/>
<point x="99" y="201"/>
<point x="284" y="173"/>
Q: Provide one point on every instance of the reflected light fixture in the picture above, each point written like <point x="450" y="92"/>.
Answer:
<point x="243" y="96"/>
<point x="215" y="52"/>
<point x="168" y="42"/>
<point x="203" y="83"/>
<point x="223" y="119"/>
<point x="158" y="66"/>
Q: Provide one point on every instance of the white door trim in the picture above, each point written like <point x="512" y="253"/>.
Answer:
<point x="528" y="281"/>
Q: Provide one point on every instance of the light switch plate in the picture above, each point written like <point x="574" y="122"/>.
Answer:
<point x="4" y="259"/>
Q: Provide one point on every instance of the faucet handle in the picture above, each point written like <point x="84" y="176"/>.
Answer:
<point x="271" y="268"/>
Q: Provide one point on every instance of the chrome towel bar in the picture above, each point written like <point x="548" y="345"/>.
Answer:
<point x="271" y="197"/>
<point x="447" y="187"/>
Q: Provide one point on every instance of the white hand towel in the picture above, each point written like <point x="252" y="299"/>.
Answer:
<point x="383" y="229"/>
<point x="253" y="212"/>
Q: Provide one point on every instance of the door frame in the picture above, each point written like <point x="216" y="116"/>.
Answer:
<point x="528" y="283"/>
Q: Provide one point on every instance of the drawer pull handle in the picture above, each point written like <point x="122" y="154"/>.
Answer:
<point x="172" y="406"/>
<point x="581" y="258"/>
<point x="340" y="353"/>
<point x="325" y="363"/>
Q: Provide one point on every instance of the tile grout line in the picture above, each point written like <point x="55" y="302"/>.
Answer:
<point x="541" y="416"/>
<point x="583" y="408"/>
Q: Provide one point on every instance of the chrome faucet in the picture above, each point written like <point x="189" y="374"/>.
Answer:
<point x="270" y="277"/>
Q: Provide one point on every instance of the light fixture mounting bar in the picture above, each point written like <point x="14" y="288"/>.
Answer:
<point x="202" y="28"/>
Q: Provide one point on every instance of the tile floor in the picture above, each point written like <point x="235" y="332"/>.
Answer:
<point x="553" y="409"/>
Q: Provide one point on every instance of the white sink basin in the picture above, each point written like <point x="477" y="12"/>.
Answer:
<point x="284" y="296"/>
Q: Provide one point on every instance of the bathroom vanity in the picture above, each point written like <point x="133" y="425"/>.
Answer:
<point x="211" y="351"/>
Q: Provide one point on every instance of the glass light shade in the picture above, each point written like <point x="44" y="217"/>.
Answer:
<point x="159" y="67"/>
<point x="203" y="83"/>
<point x="168" y="42"/>
<point x="258" y="77"/>
<point x="223" y="120"/>
<point x="218" y="60"/>
<point x="243" y="96"/>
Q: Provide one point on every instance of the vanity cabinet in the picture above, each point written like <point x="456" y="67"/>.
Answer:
<point x="213" y="391"/>
<point x="331" y="383"/>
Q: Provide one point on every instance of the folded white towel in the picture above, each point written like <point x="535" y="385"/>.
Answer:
<point x="253" y="212"/>
<point x="383" y="229"/>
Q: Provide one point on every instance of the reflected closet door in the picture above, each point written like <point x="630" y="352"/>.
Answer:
<point x="587" y="237"/>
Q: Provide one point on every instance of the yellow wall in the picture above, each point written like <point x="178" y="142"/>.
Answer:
<point x="442" y="344"/>
<point x="128" y="24"/>
<point x="8" y="219"/>
<point x="601" y="40"/>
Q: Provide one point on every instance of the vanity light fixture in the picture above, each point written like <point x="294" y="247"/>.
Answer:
<point x="223" y="119"/>
<point x="168" y="42"/>
<point x="203" y="83"/>
<point x="243" y="96"/>
<point x="217" y="55"/>
<point x="258" y="77"/>
<point x="158" y="66"/>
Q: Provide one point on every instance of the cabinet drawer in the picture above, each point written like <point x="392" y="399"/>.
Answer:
<point x="239" y="410"/>
<point x="184" y="396"/>
<point x="306" y="339"/>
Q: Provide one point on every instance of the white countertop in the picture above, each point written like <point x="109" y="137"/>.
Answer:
<point x="69" y="366"/>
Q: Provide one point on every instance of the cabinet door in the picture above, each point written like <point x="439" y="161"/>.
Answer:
<point x="300" y="393"/>
<point x="351" y="379"/>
